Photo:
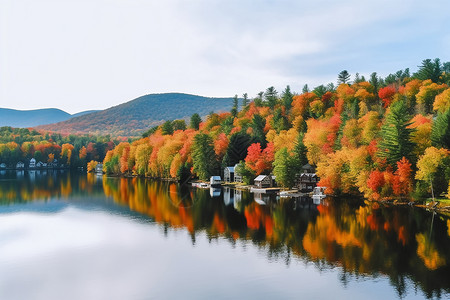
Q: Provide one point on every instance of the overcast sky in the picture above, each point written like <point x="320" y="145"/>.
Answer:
<point x="92" y="54"/>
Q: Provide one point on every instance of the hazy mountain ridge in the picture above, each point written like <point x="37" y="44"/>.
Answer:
<point x="34" y="117"/>
<point x="134" y="117"/>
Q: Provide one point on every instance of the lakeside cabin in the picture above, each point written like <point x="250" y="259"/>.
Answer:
<point x="215" y="180"/>
<point x="41" y="164"/>
<point x="32" y="163"/>
<point x="20" y="165"/>
<point x="306" y="182"/>
<point x="237" y="175"/>
<point x="264" y="181"/>
<point x="2" y="166"/>
<point x="228" y="174"/>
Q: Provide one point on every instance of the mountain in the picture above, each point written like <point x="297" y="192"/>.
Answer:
<point x="134" y="117"/>
<point x="32" y="118"/>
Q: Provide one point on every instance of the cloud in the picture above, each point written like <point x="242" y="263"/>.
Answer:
<point x="95" y="54"/>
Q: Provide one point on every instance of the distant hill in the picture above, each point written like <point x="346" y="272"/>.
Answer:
<point x="134" y="117"/>
<point x="32" y="118"/>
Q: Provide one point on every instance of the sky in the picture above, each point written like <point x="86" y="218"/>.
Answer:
<point x="94" y="54"/>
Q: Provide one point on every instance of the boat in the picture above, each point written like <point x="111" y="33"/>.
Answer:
<point x="318" y="193"/>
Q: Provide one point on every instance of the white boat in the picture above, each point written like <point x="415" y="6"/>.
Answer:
<point x="318" y="193"/>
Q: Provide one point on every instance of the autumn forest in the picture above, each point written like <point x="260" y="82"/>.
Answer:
<point x="381" y="138"/>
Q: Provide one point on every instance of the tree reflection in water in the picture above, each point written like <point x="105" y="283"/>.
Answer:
<point x="363" y="240"/>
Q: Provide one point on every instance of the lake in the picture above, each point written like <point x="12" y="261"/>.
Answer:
<point x="75" y="236"/>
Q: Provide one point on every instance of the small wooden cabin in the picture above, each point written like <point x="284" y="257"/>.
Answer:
<point x="263" y="181"/>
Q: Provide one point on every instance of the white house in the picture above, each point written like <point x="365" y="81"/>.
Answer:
<point x="237" y="175"/>
<point x="20" y="165"/>
<point x="32" y="164"/>
<point x="228" y="174"/>
<point x="2" y="166"/>
<point x="99" y="169"/>
<point x="214" y="192"/>
<point x="215" y="180"/>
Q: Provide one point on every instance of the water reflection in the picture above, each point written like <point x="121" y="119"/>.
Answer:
<point x="364" y="240"/>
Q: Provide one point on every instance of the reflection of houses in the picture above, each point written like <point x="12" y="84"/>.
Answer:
<point x="228" y="196"/>
<point x="265" y="181"/>
<point x="215" y="180"/>
<point x="32" y="164"/>
<point x="214" y="192"/>
<point x="20" y="165"/>
<point x="261" y="198"/>
<point x="228" y="174"/>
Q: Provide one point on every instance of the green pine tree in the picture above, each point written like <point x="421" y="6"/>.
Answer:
<point x="396" y="136"/>
<point x="440" y="132"/>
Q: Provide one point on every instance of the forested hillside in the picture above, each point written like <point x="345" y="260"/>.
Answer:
<point x="133" y="117"/>
<point x="377" y="137"/>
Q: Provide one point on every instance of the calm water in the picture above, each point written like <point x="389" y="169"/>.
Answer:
<point x="76" y="236"/>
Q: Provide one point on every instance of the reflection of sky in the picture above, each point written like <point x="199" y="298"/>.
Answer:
<point x="77" y="254"/>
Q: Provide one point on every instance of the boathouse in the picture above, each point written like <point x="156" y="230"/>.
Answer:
<point x="215" y="180"/>
<point x="99" y="169"/>
<point x="20" y="165"/>
<point x="32" y="164"/>
<point x="237" y="175"/>
<point x="228" y="174"/>
<point x="263" y="181"/>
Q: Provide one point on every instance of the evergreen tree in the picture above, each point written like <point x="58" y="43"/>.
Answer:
<point x="429" y="70"/>
<point x="305" y="89"/>
<point x="195" y="121"/>
<point x="258" y="136"/>
<point x="271" y="97"/>
<point x="343" y="77"/>
<point x="287" y="97"/>
<point x="396" y="142"/>
<point x="259" y="100"/>
<point x="440" y="132"/>
<point x="375" y="82"/>
<point x="167" y="128"/>
<point x="320" y="90"/>
<point x="244" y="100"/>
<point x="234" y="109"/>
<point x="204" y="157"/>
<point x="237" y="147"/>
<point x="300" y="151"/>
